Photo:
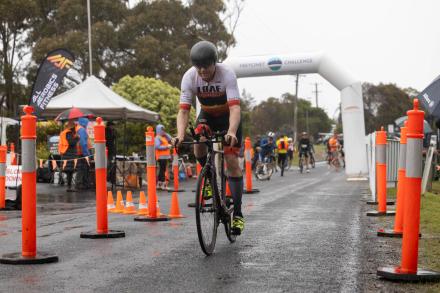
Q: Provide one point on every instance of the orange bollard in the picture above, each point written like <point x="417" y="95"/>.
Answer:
<point x="381" y="175"/>
<point x="102" y="230"/>
<point x="175" y="165"/>
<point x="29" y="254"/>
<point x="408" y="271"/>
<point x="401" y="179"/>
<point x="175" y="210"/>
<point x="248" y="164"/>
<point x="3" y="150"/>
<point x="129" y="206"/>
<point x="154" y="215"/>
<point x="143" y="207"/>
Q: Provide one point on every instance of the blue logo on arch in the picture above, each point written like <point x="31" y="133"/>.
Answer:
<point x="275" y="63"/>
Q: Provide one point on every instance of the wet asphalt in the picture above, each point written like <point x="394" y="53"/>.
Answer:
<point x="303" y="234"/>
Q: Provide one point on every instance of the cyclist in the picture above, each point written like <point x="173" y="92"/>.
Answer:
<point x="282" y="145"/>
<point x="267" y="147"/>
<point x="333" y="145"/>
<point x="215" y="86"/>
<point x="304" y="148"/>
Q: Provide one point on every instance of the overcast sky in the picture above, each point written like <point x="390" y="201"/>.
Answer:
<point x="376" y="40"/>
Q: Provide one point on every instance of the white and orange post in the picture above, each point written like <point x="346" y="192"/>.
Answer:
<point x="381" y="175"/>
<point x="102" y="230"/>
<point x="248" y="167"/>
<point x="29" y="254"/>
<point x="153" y="215"/>
<point x="401" y="181"/>
<point x="408" y="270"/>
<point x="3" y="150"/>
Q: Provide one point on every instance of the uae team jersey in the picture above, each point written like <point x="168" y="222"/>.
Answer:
<point x="215" y="96"/>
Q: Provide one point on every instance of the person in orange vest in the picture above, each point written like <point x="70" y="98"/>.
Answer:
<point x="162" y="144"/>
<point x="67" y="149"/>
<point x="282" y="146"/>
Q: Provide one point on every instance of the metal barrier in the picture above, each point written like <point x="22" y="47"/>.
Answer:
<point x="393" y="147"/>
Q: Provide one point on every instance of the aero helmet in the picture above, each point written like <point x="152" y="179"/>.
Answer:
<point x="203" y="54"/>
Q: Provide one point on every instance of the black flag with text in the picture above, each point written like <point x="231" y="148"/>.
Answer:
<point x="49" y="76"/>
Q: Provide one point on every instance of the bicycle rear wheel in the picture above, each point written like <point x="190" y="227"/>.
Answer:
<point x="300" y="164"/>
<point x="206" y="210"/>
<point x="312" y="161"/>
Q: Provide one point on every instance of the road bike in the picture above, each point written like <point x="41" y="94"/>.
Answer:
<point x="212" y="206"/>
<point x="265" y="168"/>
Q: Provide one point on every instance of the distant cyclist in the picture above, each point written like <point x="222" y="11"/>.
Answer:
<point x="282" y="146"/>
<point x="333" y="146"/>
<point x="257" y="150"/>
<point x="267" y="147"/>
<point x="304" y="148"/>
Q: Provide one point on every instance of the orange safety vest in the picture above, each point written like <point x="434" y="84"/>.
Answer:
<point x="333" y="143"/>
<point x="283" y="145"/>
<point x="163" y="153"/>
<point x="63" y="144"/>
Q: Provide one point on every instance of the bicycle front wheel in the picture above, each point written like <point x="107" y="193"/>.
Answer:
<point x="206" y="210"/>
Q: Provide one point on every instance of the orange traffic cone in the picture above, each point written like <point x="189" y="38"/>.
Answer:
<point x="143" y="207"/>
<point x="110" y="203"/>
<point x="119" y="203"/>
<point x="129" y="206"/>
<point x="228" y="189"/>
<point x="175" y="210"/>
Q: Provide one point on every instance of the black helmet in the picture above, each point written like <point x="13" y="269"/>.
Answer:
<point x="203" y="54"/>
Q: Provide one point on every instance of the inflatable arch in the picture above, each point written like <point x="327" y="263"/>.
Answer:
<point x="351" y="95"/>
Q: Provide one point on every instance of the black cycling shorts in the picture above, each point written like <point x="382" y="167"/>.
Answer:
<point x="220" y="124"/>
<point x="304" y="153"/>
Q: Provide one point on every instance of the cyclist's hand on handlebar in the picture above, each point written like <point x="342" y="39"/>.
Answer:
<point x="176" y="141"/>
<point x="231" y="139"/>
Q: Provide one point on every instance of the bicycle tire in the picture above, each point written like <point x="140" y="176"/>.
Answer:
<point x="312" y="161"/>
<point x="205" y="206"/>
<point x="300" y="164"/>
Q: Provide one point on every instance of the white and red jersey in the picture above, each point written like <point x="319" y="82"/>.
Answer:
<point x="215" y="96"/>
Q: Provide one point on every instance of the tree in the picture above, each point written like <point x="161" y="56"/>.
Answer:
<point x="277" y="115"/>
<point x="153" y="38"/>
<point x="152" y="94"/>
<point x="247" y="104"/>
<point x="384" y="103"/>
<point x="15" y="16"/>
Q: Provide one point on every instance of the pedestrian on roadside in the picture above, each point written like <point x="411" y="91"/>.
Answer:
<point x="162" y="144"/>
<point x="83" y="152"/>
<point x="67" y="147"/>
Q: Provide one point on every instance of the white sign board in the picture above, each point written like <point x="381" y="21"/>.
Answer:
<point x="13" y="176"/>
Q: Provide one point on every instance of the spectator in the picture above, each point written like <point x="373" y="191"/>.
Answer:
<point x="83" y="151"/>
<point x="67" y="148"/>
<point x="162" y="144"/>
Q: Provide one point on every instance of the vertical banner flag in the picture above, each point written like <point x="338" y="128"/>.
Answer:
<point x="430" y="98"/>
<point x="49" y="76"/>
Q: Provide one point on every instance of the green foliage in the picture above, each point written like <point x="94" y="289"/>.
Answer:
<point x="277" y="115"/>
<point x="384" y="103"/>
<point x="152" y="94"/>
<point x="151" y="38"/>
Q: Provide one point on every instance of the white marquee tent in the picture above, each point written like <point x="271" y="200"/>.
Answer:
<point x="92" y="94"/>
